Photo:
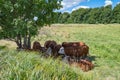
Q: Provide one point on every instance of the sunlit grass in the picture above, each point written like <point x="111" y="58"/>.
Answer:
<point x="8" y="44"/>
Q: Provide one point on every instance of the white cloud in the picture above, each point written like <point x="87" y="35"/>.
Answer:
<point x="68" y="11"/>
<point x="70" y="3"/>
<point x="118" y="2"/>
<point x="80" y="7"/>
<point x="108" y="2"/>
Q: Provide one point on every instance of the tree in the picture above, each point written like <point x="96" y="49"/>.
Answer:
<point x="64" y="17"/>
<point x="93" y="16"/>
<point x="106" y="14"/>
<point x="103" y="15"/>
<point x="57" y="17"/>
<point x="82" y="15"/>
<point x="21" y="19"/>
<point x="116" y="14"/>
<point x="72" y="18"/>
<point x="79" y="16"/>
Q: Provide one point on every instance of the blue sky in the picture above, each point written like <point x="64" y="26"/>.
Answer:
<point x="71" y="5"/>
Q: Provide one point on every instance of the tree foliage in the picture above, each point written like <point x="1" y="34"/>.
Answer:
<point x="17" y="18"/>
<point x="116" y="14"/>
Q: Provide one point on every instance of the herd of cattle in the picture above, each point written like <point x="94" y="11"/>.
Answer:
<point x="73" y="53"/>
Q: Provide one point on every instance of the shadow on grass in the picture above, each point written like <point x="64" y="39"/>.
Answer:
<point x="93" y="58"/>
<point x="2" y="47"/>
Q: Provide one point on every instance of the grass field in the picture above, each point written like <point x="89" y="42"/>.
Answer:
<point x="103" y="41"/>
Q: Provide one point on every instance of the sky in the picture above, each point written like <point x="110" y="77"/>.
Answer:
<point x="71" y="5"/>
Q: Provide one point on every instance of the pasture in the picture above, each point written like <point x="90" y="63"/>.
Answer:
<point x="103" y="41"/>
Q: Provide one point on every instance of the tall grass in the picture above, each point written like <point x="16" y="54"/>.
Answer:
<point x="32" y="66"/>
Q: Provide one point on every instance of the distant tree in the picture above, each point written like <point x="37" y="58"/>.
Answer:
<point x="93" y="16"/>
<point x="57" y="17"/>
<point x="82" y="15"/>
<point x="116" y="14"/>
<point x="106" y="14"/>
<point x="102" y="15"/>
<point x="78" y="16"/>
<point x="21" y="19"/>
<point x="86" y="16"/>
<point x="64" y="17"/>
<point x="73" y="17"/>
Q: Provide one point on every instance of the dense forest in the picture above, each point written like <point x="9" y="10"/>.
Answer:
<point x="103" y="15"/>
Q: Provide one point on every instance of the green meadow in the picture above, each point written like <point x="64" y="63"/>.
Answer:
<point x="102" y="39"/>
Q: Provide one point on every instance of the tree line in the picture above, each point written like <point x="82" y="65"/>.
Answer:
<point x="100" y="15"/>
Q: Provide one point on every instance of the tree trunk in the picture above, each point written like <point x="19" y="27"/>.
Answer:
<point x="19" y="41"/>
<point x="29" y="42"/>
<point x="25" y="42"/>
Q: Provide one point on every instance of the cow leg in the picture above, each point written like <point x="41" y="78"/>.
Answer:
<point x="74" y="59"/>
<point x="77" y="59"/>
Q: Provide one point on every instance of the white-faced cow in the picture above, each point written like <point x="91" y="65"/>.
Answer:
<point x="49" y="45"/>
<point x="75" y="50"/>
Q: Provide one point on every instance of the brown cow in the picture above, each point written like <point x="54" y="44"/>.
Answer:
<point x="76" y="49"/>
<point x="43" y="49"/>
<point x="86" y="65"/>
<point x="56" y="50"/>
<point x="52" y="44"/>
<point x="75" y="44"/>
<point x="49" y="45"/>
<point x="36" y="46"/>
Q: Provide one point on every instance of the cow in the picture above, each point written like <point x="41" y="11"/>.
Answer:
<point x="56" y="50"/>
<point x="43" y="49"/>
<point x="75" y="44"/>
<point x="36" y="46"/>
<point x="49" y="45"/>
<point x="53" y="48"/>
<point x="75" y="49"/>
<point x="86" y="65"/>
